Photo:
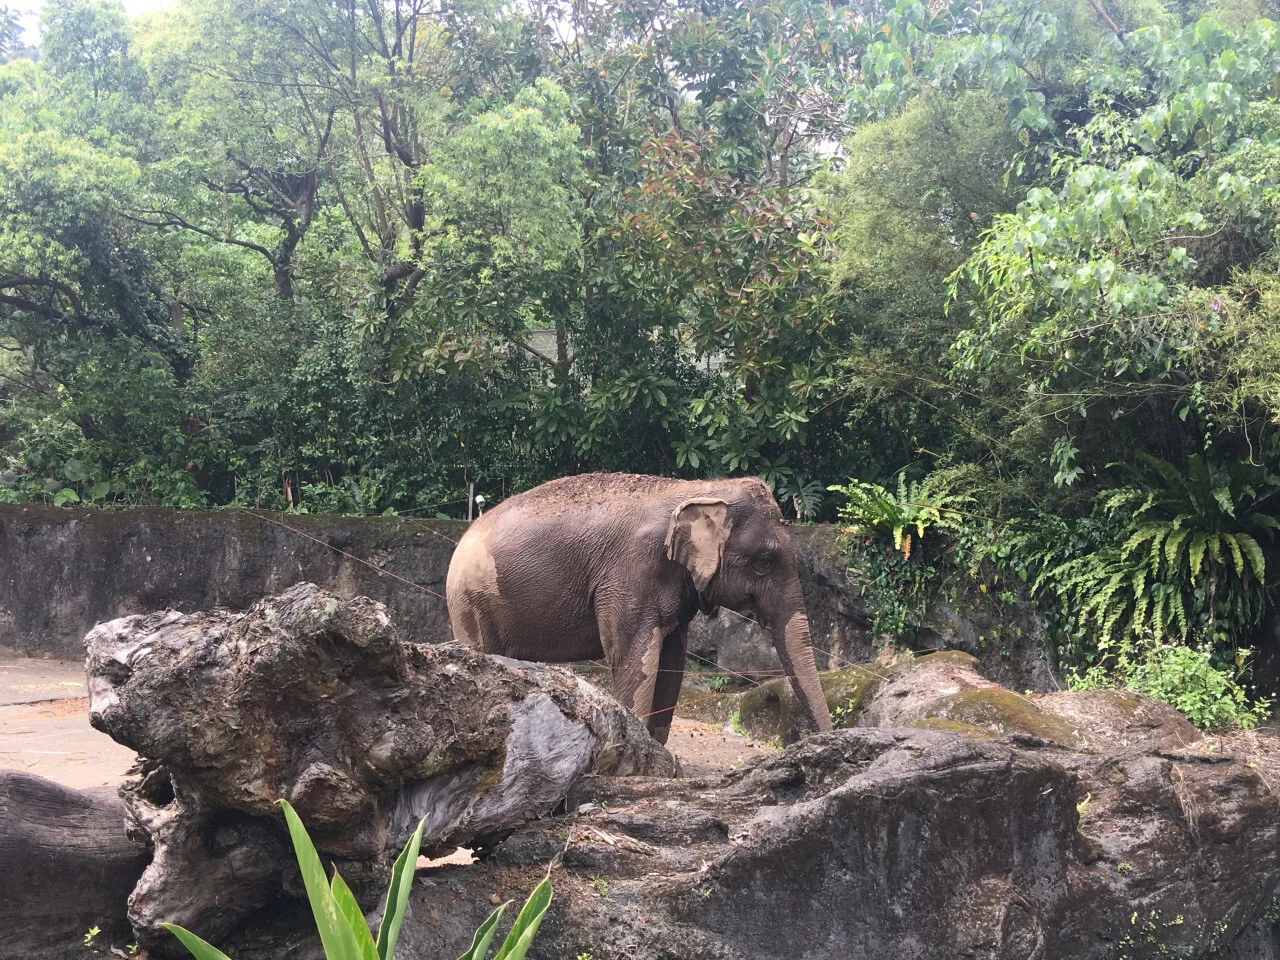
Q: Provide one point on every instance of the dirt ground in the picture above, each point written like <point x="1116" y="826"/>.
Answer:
<point x="44" y="725"/>
<point x="44" y="729"/>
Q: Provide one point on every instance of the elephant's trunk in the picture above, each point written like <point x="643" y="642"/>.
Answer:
<point x="790" y="628"/>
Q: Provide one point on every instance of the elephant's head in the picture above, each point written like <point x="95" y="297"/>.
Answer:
<point x="739" y="556"/>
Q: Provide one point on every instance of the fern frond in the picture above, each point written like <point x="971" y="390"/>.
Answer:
<point x="1230" y="540"/>
<point x="1195" y="553"/>
<point x="1141" y="604"/>
<point x="1180" y="612"/>
<point x="1172" y="549"/>
<point x="1222" y="496"/>
<point x="1215" y="547"/>
<point x="1140" y="537"/>
<point x="1264" y="521"/>
<point x="1257" y="560"/>
<point x="1154" y="561"/>
<point x="1158" y="611"/>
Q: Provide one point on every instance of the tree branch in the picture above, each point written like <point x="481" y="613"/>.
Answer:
<point x="1105" y="18"/>
<point x="173" y="220"/>
<point x="8" y="283"/>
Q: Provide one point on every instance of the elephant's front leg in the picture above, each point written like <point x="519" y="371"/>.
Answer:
<point x="666" y="690"/>
<point x="635" y="661"/>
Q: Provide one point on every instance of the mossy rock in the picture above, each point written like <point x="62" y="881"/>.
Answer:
<point x="1109" y="718"/>
<point x="1002" y="712"/>
<point x="951" y="658"/>
<point x="954" y="726"/>
<point x="769" y="711"/>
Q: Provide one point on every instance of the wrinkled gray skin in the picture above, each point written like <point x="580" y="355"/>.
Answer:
<point x="616" y="565"/>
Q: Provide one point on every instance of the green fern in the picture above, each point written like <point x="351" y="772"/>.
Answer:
<point x="1187" y="560"/>
<point x="917" y="506"/>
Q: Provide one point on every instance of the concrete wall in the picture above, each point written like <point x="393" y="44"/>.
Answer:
<point x="62" y="570"/>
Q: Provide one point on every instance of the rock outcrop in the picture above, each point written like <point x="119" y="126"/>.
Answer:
<point x="320" y="702"/>
<point x="951" y="818"/>
<point x="868" y="843"/>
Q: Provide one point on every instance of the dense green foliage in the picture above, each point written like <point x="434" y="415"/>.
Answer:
<point x="1015" y="261"/>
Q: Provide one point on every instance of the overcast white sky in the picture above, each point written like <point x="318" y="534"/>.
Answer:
<point x="31" y="11"/>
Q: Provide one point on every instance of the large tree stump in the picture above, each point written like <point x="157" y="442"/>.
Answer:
<point x="319" y="701"/>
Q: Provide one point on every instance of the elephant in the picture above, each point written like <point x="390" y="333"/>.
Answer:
<point x="617" y="565"/>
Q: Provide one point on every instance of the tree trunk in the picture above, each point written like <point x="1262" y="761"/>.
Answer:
<point x="320" y="702"/>
<point x="66" y="865"/>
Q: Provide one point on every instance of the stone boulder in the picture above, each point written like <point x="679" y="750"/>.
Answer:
<point x="950" y="818"/>
<point x="868" y="843"/>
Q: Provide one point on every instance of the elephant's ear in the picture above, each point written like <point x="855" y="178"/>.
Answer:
<point x="696" y="537"/>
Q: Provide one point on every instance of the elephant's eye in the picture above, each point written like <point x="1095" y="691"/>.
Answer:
<point x="763" y="564"/>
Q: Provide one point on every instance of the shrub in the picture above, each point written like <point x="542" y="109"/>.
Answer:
<point x="898" y="582"/>
<point x="1188" y="678"/>
<point x="341" y="924"/>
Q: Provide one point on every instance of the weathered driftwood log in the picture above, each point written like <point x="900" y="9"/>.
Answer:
<point x="320" y="702"/>
<point x="65" y="866"/>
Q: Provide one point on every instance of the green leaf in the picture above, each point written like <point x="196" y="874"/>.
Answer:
<point x="198" y="948"/>
<point x="398" y="895"/>
<point x="335" y="933"/>
<point x="65" y="495"/>
<point x="346" y="901"/>
<point x="1172" y="548"/>
<point x="1144" y="534"/>
<point x="1230" y="541"/>
<point x="1196" y="552"/>
<point x="1254" y="552"/>
<point x="484" y="936"/>
<point x="522" y="931"/>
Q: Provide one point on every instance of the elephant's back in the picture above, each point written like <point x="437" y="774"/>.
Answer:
<point x="584" y="494"/>
<point x="521" y="585"/>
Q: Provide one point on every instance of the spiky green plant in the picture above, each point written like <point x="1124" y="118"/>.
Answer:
<point x="872" y="508"/>
<point x="343" y="931"/>
<point x="1187" y="558"/>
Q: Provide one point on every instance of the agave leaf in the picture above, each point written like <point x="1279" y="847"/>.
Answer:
<point x="335" y="933"/>
<point x="398" y="894"/>
<point x="527" y="923"/>
<point x="484" y="936"/>
<point x="197" y="947"/>
<point x="346" y="901"/>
